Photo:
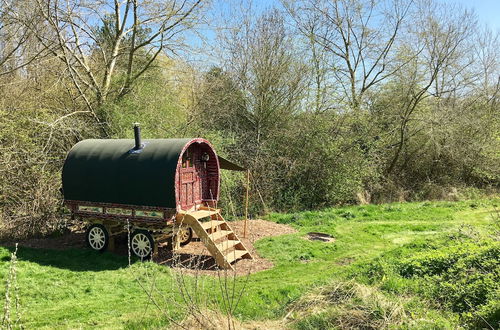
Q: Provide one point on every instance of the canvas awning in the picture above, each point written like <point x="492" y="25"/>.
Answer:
<point x="227" y="165"/>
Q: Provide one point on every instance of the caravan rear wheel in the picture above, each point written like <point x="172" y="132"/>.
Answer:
<point x="97" y="237"/>
<point x="185" y="234"/>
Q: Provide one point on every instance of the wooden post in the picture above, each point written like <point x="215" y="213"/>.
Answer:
<point x="155" y="248"/>
<point x="246" y="205"/>
<point x="111" y="235"/>
<point x="176" y="244"/>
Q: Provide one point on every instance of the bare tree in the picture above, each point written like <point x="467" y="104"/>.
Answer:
<point x="437" y="50"/>
<point x="320" y="89"/>
<point x="486" y="49"/>
<point x="262" y="63"/>
<point x="17" y="46"/>
<point x="360" y="36"/>
<point x="107" y="45"/>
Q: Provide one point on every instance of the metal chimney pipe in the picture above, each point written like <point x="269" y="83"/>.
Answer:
<point x="137" y="136"/>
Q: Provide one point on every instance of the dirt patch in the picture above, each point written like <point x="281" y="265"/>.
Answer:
<point x="194" y="257"/>
<point x="322" y="237"/>
<point x="74" y="237"/>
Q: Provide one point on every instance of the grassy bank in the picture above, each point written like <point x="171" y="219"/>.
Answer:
<point x="376" y="258"/>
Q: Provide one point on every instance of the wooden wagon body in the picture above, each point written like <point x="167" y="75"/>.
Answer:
<point x="159" y="188"/>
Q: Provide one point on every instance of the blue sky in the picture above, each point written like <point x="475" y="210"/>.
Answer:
<point x="488" y="11"/>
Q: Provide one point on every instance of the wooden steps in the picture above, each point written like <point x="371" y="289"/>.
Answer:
<point x="221" y="241"/>
<point x="235" y="255"/>
<point x="227" y="244"/>
<point x="211" y="224"/>
<point x="218" y="234"/>
<point x="200" y="214"/>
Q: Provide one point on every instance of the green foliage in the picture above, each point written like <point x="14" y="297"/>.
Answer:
<point x="256" y="112"/>
<point x="35" y="136"/>
<point x="365" y="257"/>
<point x="464" y="278"/>
<point x="458" y="272"/>
<point x="313" y="169"/>
<point x="272" y="102"/>
<point x="155" y="103"/>
<point x="444" y="159"/>
<point x="309" y="160"/>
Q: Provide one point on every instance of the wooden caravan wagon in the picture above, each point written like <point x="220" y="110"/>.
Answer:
<point x="161" y="188"/>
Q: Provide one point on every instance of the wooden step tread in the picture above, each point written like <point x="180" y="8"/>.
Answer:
<point x="234" y="255"/>
<point x="223" y="246"/>
<point x="202" y="214"/>
<point x="206" y="208"/>
<point x="211" y="224"/>
<point x="219" y="234"/>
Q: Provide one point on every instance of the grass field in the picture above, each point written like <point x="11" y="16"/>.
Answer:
<point x="387" y="266"/>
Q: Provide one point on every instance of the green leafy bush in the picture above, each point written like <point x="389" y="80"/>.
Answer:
<point x="461" y="275"/>
<point x="464" y="277"/>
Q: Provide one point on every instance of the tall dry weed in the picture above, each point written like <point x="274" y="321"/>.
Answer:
<point x="348" y="305"/>
<point x="12" y="308"/>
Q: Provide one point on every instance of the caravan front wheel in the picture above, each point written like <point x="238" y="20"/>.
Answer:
<point x="142" y="244"/>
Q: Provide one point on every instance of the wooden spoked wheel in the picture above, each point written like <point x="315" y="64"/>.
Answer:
<point x="142" y="244"/>
<point x="185" y="234"/>
<point x="97" y="237"/>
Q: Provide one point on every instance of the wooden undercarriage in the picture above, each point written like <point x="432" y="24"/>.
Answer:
<point x="150" y="226"/>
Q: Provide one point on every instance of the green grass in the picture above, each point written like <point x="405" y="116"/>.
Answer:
<point x="79" y="288"/>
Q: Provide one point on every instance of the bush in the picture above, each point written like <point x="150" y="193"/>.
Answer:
<point x="460" y="273"/>
<point x="464" y="277"/>
<point x="32" y="153"/>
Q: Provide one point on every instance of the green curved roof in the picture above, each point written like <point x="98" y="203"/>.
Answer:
<point x="106" y="171"/>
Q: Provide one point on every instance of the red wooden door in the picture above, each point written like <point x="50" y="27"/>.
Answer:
<point x="189" y="181"/>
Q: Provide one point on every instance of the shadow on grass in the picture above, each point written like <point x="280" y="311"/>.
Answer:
<point x="70" y="252"/>
<point x="73" y="259"/>
<point x="186" y="260"/>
